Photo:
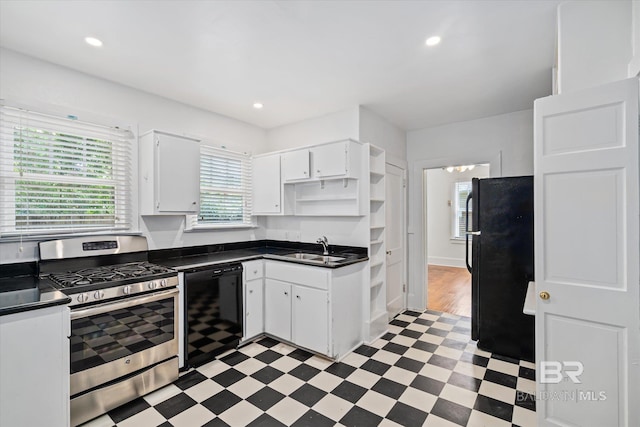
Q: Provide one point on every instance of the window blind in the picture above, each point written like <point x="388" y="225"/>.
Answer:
<point x="225" y="188"/>
<point x="62" y="175"/>
<point x="461" y="191"/>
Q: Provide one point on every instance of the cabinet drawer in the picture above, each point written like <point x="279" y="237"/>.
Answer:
<point x="253" y="269"/>
<point x="315" y="277"/>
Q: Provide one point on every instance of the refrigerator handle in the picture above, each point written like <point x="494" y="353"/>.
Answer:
<point x="467" y="234"/>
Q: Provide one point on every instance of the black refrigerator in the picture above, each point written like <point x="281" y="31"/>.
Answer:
<point x="501" y="264"/>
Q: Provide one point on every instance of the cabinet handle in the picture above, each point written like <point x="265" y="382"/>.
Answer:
<point x="276" y="206"/>
<point x="318" y="171"/>
<point x="298" y="296"/>
<point x="194" y="203"/>
<point x="255" y="271"/>
<point x="251" y="291"/>
<point x="286" y="293"/>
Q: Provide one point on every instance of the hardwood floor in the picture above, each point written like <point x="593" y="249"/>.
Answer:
<point x="449" y="290"/>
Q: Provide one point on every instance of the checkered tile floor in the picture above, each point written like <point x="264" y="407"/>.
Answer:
<point x="424" y="372"/>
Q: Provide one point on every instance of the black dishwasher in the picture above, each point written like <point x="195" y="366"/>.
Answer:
<point x="213" y="312"/>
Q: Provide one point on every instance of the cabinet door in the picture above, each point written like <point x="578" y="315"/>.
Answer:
<point x="266" y="185"/>
<point x="177" y="174"/>
<point x="295" y="165"/>
<point x="277" y="303"/>
<point x="329" y="159"/>
<point x="253" y="313"/>
<point x="311" y="319"/>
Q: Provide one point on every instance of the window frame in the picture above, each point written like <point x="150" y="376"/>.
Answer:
<point x="456" y="209"/>
<point x="193" y="222"/>
<point x="121" y="160"/>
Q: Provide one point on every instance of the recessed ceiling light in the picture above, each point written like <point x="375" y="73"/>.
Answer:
<point x="432" y="41"/>
<point x="258" y="105"/>
<point x="93" y="41"/>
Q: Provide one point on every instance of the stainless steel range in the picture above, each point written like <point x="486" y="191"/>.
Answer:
<point x="124" y="319"/>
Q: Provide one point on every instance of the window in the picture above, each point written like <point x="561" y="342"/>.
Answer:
<point x="460" y="192"/>
<point x="225" y="189"/>
<point x="62" y="175"/>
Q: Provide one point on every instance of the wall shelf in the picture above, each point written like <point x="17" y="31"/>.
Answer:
<point x="376" y="317"/>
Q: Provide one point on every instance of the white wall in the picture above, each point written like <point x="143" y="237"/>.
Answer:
<point x="376" y="130"/>
<point x="441" y="249"/>
<point x="39" y="84"/>
<point x="504" y="141"/>
<point x="594" y="43"/>
<point x="331" y="127"/>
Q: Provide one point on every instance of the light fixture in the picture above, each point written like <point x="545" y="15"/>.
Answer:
<point x="258" y="105"/>
<point x="462" y="168"/>
<point x="432" y="41"/>
<point x="92" y="41"/>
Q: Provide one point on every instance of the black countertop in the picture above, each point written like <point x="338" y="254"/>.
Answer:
<point x="21" y="290"/>
<point x="196" y="257"/>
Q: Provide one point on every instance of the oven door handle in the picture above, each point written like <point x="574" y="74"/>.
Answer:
<point x="129" y="302"/>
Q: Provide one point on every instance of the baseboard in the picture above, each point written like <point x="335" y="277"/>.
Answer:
<point x="448" y="262"/>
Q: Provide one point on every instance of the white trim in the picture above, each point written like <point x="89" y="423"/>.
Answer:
<point x="447" y="262"/>
<point x="417" y="285"/>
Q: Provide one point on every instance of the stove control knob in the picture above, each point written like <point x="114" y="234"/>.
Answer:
<point x="83" y="297"/>
<point x="98" y="295"/>
<point x="163" y="283"/>
<point x="126" y="290"/>
<point x="152" y="285"/>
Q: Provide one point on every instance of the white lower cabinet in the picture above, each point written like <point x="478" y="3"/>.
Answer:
<point x="254" y="309"/>
<point x="316" y="308"/>
<point x="310" y="318"/>
<point x="277" y="302"/>
<point x="34" y="367"/>
<point x="253" y="303"/>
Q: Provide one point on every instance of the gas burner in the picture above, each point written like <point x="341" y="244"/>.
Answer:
<point x="108" y="273"/>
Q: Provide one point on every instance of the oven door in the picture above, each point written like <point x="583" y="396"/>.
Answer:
<point x="117" y="338"/>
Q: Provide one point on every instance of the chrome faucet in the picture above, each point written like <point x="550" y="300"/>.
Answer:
<point x="325" y="245"/>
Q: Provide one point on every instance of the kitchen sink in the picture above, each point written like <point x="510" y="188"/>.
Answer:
<point x="314" y="257"/>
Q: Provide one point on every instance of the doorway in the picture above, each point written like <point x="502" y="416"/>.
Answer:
<point x="446" y="191"/>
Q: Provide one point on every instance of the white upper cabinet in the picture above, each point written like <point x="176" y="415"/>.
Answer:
<point x="330" y="160"/>
<point x="169" y="174"/>
<point x="295" y="165"/>
<point x="266" y="186"/>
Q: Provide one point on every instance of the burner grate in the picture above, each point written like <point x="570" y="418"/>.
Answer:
<point x="108" y="273"/>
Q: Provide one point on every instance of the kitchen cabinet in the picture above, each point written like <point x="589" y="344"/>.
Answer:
<point x="316" y="308"/>
<point x="267" y="188"/>
<point x="310" y="318"/>
<point x="296" y="165"/>
<point x="34" y="367"/>
<point x="169" y="182"/>
<point x="277" y="301"/>
<point x="253" y="291"/>
<point x="330" y="160"/>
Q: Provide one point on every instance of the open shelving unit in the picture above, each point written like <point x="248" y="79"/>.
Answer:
<point x="376" y="315"/>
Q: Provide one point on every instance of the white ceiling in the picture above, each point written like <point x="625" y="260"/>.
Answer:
<point x="304" y="59"/>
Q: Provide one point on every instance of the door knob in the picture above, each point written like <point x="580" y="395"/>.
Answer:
<point x="544" y="295"/>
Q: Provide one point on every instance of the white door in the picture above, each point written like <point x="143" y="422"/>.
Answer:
<point x="587" y="252"/>
<point x="277" y="308"/>
<point x="394" y="238"/>
<point x="311" y="319"/>
<point x="266" y="187"/>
